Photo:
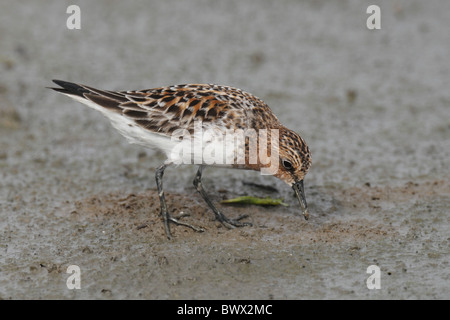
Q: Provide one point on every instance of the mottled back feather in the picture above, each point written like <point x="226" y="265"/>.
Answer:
<point x="163" y="110"/>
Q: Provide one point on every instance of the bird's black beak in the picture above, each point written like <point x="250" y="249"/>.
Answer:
<point x="300" y="193"/>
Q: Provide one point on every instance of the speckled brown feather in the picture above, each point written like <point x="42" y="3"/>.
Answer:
<point x="162" y="110"/>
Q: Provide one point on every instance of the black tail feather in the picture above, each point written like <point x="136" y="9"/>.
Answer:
<point x="70" y="88"/>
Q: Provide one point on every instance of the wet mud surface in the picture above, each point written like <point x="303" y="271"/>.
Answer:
<point x="119" y="242"/>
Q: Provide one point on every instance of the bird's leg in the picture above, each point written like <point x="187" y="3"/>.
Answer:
<point x="229" y="223"/>
<point x="165" y="214"/>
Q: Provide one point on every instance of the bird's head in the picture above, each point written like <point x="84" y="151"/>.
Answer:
<point x="294" y="163"/>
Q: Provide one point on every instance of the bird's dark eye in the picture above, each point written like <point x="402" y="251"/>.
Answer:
<point x="287" y="164"/>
